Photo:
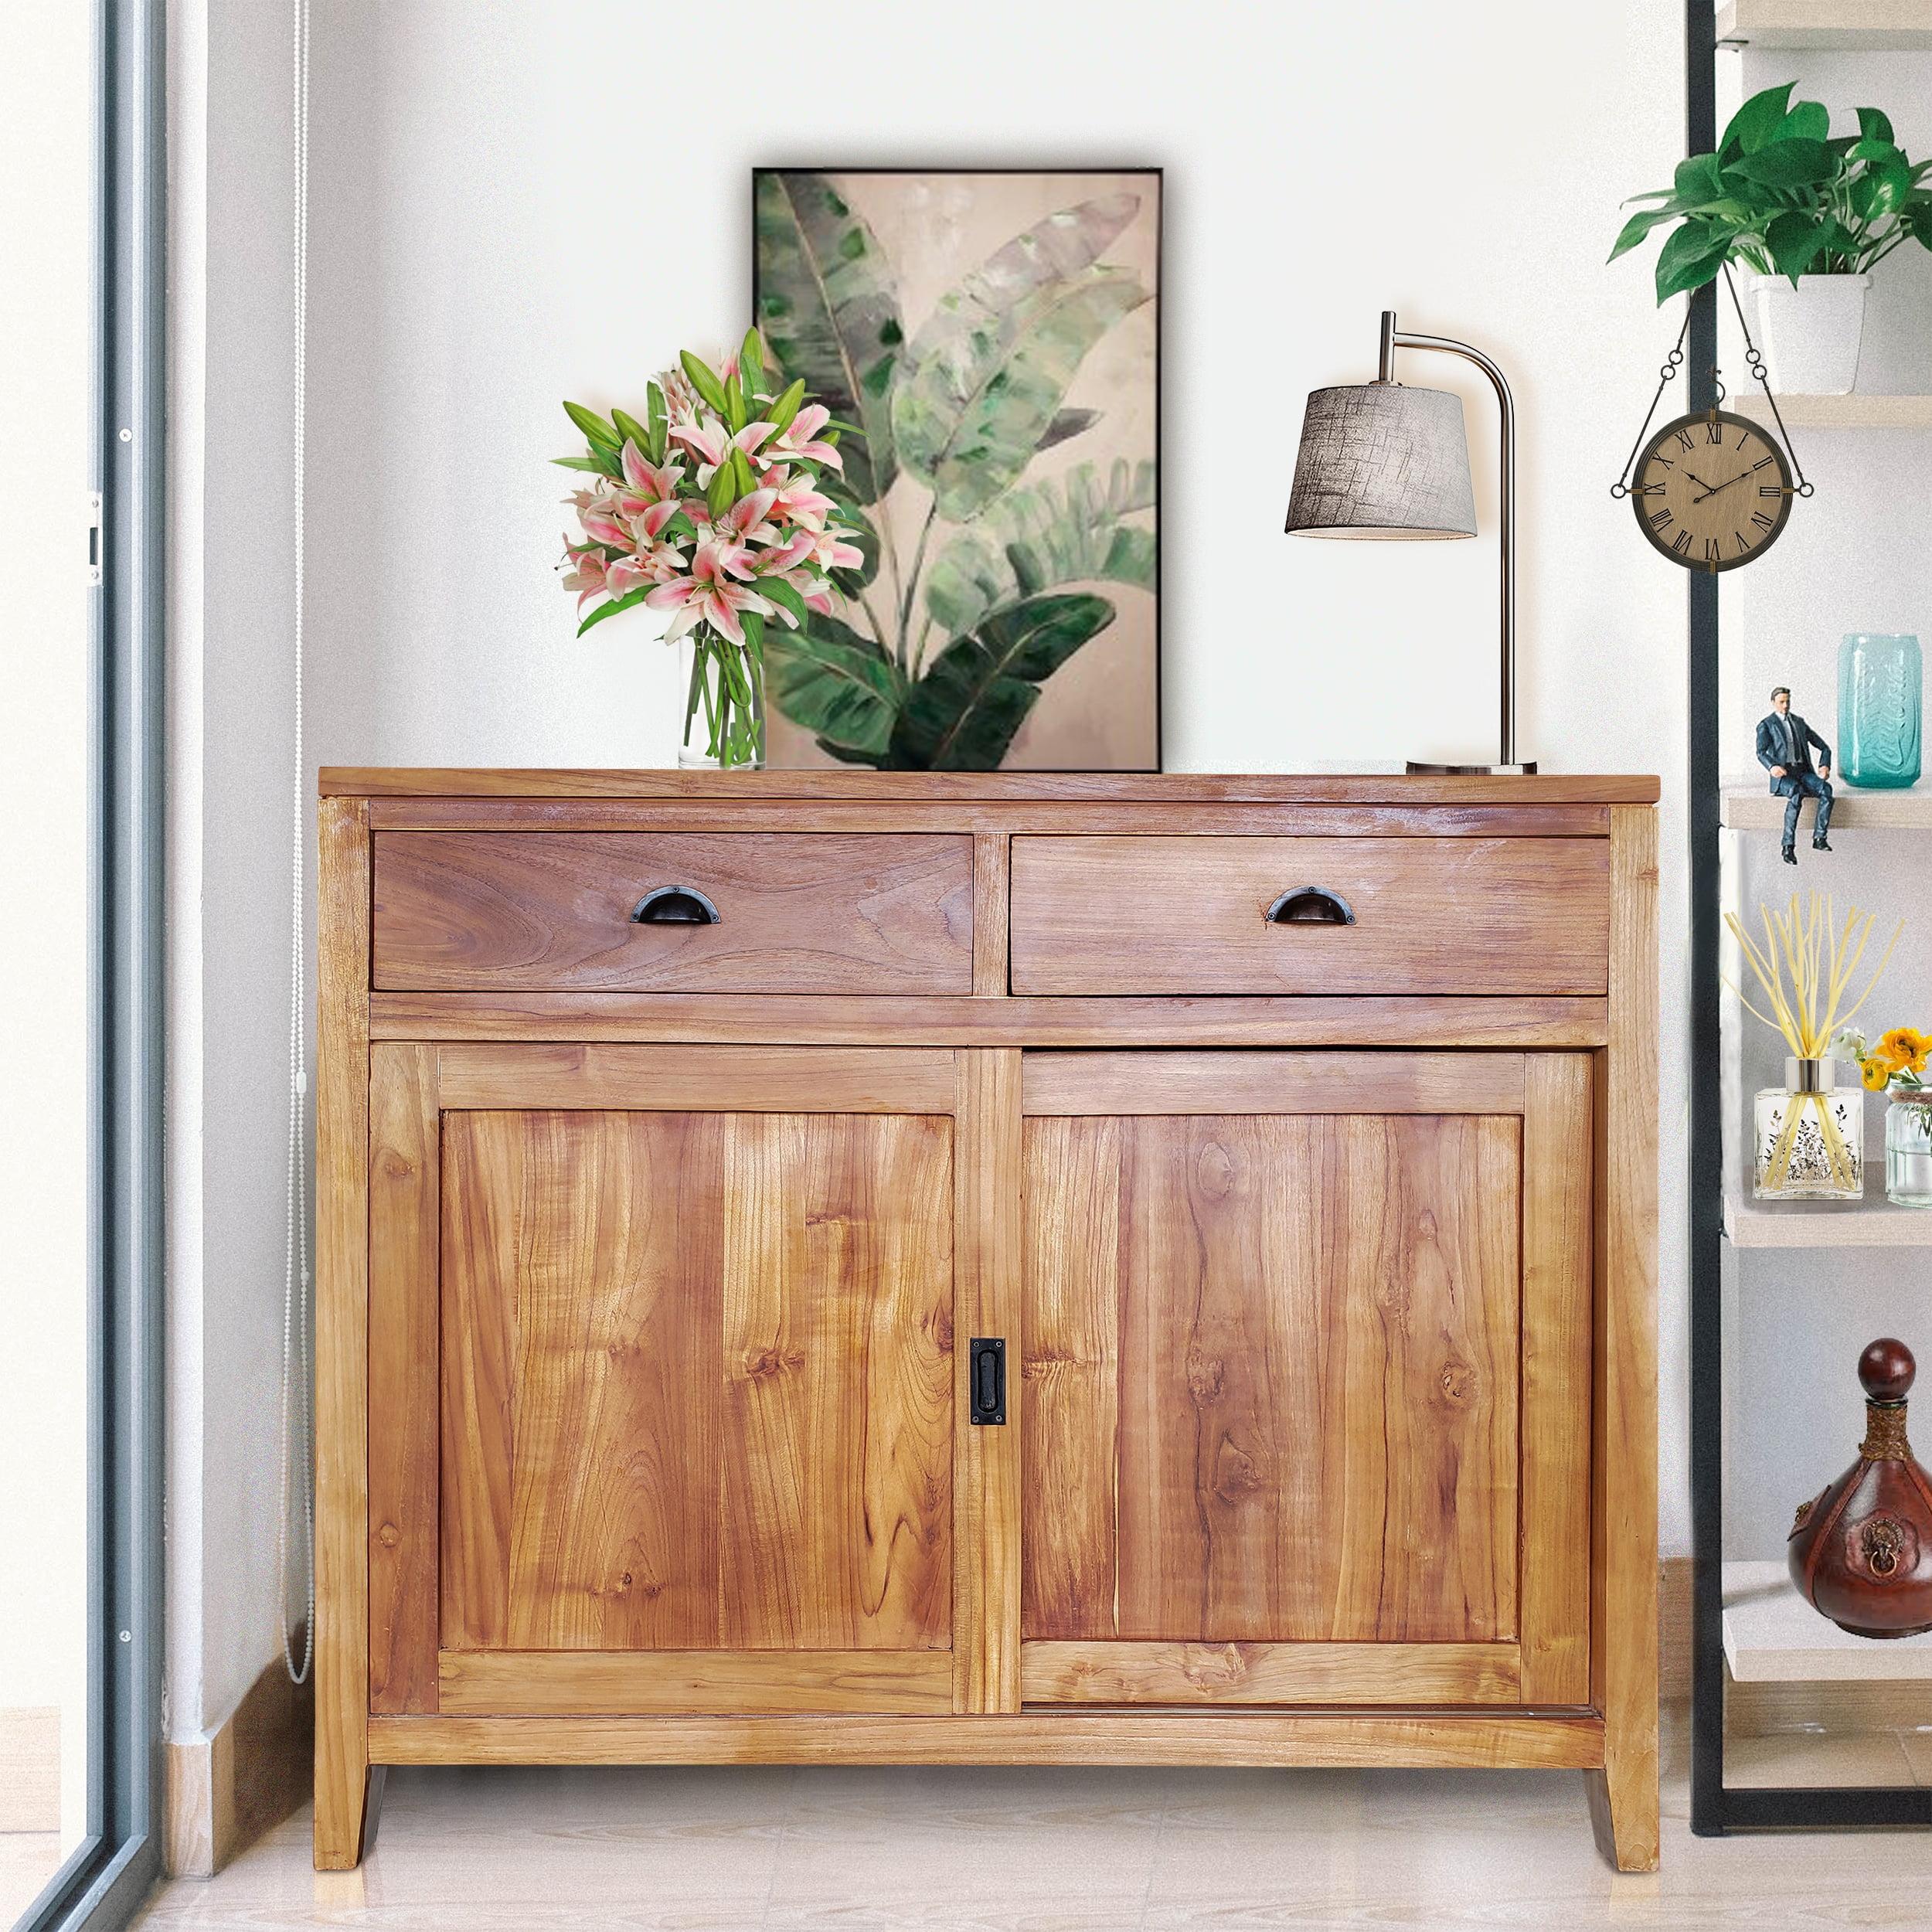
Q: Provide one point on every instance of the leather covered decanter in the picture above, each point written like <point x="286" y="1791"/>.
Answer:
<point x="1861" y="1553"/>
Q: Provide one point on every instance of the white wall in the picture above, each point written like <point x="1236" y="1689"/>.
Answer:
<point x="46" y="104"/>
<point x="500" y="218"/>
<point x="230" y="774"/>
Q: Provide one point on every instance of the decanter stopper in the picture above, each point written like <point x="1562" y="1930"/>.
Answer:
<point x="1861" y="1553"/>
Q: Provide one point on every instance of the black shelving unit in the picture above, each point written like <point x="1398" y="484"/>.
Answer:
<point x="1718" y="1808"/>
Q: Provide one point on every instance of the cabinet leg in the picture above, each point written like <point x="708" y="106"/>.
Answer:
<point x="1623" y="1809"/>
<point x="349" y="1801"/>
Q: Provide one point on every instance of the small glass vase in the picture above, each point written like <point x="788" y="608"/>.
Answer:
<point x="1808" y="1137"/>
<point x="724" y="702"/>
<point x="1880" y="691"/>
<point x="1908" y="1147"/>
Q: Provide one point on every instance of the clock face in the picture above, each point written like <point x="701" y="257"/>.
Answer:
<point x="1712" y="492"/>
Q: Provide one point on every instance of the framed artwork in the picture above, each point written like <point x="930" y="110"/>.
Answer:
<point x="992" y="341"/>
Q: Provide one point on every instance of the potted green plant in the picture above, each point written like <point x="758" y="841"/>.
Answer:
<point x="1811" y="212"/>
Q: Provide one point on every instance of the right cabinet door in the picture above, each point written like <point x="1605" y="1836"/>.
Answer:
<point x="1306" y="1378"/>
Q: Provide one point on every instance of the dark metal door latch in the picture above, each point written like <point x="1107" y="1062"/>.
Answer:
<point x="987" y="1368"/>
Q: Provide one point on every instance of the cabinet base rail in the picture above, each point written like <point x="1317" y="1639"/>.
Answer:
<point x="1516" y="1739"/>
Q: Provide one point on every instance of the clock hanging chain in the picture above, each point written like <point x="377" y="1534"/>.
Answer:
<point x="1756" y="363"/>
<point x="1674" y="362"/>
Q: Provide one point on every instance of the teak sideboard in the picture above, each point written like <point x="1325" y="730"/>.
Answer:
<point x="835" y="1267"/>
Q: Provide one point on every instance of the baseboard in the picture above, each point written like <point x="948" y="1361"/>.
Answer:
<point x="226" y="1790"/>
<point x="30" y="1770"/>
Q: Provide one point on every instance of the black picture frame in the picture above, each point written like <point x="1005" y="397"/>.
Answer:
<point x="1157" y="174"/>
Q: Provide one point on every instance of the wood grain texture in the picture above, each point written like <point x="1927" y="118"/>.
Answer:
<point x="1236" y="1674"/>
<point x="1186" y="914"/>
<point x="1052" y="816"/>
<point x="1425" y="1740"/>
<point x="539" y="1683"/>
<point x="1623" y="1798"/>
<point x="346" y="1797"/>
<point x="1557" y="1183"/>
<point x="802" y="1079"/>
<point x="698" y="1384"/>
<point x="581" y="1277"/>
<point x="404" y="1220"/>
<point x="1315" y="1436"/>
<point x="813" y="912"/>
<point x="990" y="854"/>
<point x="1262" y="1082"/>
<point x="1304" y="1020"/>
<point x="836" y="1445"/>
<point x="938" y="787"/>
<point x="986" y="1461"/>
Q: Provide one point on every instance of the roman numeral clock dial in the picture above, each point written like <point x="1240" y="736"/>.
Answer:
<point x="1712" y="492"/>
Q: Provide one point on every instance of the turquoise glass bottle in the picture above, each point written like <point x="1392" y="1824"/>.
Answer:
<point x="1880" y="688"/>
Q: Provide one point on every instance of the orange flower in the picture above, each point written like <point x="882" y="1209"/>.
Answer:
<point x="1907" y="1047"/>
<point x="1876" y="1071"/>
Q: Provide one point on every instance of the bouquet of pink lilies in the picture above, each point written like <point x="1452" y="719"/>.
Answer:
<point x="710" y="507"/>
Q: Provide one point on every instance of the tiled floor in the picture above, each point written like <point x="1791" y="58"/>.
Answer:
<point x="1053" y="1851"/>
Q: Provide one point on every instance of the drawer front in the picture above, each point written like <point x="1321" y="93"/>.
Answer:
<point x="1152" y="915"/>
<point x="796" y="912"/>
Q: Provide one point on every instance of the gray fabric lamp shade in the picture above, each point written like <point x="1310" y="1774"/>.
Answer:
<point x="1381" y="460"/>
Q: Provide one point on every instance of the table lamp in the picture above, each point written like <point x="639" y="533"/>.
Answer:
<point x="1380" y="459"/>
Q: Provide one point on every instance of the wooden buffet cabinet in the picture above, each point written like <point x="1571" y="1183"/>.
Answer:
<point x="835" y="1267"/>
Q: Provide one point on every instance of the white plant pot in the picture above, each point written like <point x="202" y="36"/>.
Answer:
<point x="1809" y="334"/>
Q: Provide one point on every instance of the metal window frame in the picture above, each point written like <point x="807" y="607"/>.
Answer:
<point x="106" y="1879"/>
<point x="1718" y="1809"/>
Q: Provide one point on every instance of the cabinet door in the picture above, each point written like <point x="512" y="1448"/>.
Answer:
<point x="1306" y="1372"/>
<point x="662" y="1372"/>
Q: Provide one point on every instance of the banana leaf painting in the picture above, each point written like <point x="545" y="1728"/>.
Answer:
<point x="990" y="344"/>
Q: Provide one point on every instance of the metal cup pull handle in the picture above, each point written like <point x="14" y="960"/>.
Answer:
<point x="1311" y="906"/>
<point x="676" y="905"/>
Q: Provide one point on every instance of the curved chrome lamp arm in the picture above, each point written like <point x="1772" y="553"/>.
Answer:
<point x="1393" y="339"/>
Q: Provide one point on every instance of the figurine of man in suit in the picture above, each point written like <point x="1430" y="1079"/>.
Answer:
<point x="1784" y="743"/>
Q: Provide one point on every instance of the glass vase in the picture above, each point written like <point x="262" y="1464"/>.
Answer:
<point x="724" y="702"/>
<point x="1908" y="1148"/>
<point x="1808" y="1137"/>
<point x="1880" y="690"/>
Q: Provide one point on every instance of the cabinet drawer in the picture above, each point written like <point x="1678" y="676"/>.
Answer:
<point x="796" y="912"/>
<point x="1152" y="915"/>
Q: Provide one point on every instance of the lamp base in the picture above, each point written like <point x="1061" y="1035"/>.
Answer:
<point x="1473" y="771"/>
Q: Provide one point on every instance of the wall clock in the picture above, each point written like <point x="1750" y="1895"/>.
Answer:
<point x="1712" y="491"/>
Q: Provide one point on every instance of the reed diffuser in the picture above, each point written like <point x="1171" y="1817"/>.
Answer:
<point x="1808" y="1136"/>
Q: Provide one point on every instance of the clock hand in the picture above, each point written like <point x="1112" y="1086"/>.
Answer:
<point x="1711" y="491"/>
<point x="1701" y="484"/>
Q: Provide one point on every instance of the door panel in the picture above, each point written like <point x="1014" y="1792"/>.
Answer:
<point x="1280" y="1388"/>
<point x="697" y="1381"/>
<point x="1313" y="1413"/>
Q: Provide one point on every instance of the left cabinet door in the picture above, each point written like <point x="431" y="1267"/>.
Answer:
<point x="661" y="1379"/>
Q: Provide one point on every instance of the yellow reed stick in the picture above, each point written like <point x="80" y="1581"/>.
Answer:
<point x="1805" y="967"/>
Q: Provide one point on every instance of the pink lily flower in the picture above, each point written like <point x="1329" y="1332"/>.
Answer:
<point x="798" y="443"/>
<point x="661" y="564"/>
<point x="796" y="501"/>
<point x="707" y="595"/>
<point x="832" y="552"/>
<point x="583" y="572"/>
<point x="803" y="545"/>
<point x="600" y="525"/>
<point x="645" y="483"/>
<point x="712" y="444"/>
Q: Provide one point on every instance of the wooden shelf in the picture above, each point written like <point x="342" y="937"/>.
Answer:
<point x="1753" y="808"/>
<point x="1857" y="411"/>
<point x="1872" y="1223"/>
<point x="1772" y="1635"/>
<point x="1898" y="26"/>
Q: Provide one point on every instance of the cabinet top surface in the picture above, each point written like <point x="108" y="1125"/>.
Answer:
<point x="924" y="787"/>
